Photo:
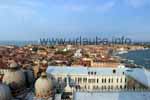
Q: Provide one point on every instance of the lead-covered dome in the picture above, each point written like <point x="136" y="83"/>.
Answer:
<point x="15" y="79"/>
<point x="44" y="87"/>
<point x="5" y="93"/>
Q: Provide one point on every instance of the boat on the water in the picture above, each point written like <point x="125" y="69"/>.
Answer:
<point x="122" y="52"/>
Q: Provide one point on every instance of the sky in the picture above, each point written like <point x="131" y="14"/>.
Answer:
<point x="35" y="19"/>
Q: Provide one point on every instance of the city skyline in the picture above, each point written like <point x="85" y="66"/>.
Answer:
<point x="35" y="19"/>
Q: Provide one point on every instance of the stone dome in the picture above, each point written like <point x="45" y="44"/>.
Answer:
<point x="5" y="93"/>
<point x="15" y="78"/>
<point x="43" y="87"/>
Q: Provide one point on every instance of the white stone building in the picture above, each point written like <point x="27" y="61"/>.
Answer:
<point x="90" y="79"/>
<point x="70" y="80"/>
<point x="78" y="54"/>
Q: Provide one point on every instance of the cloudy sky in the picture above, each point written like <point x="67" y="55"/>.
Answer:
<point x="34" y="19"/>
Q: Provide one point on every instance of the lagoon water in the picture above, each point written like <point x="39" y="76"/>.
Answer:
<point x="140" y="57"/>
<point x="18" y="43"/>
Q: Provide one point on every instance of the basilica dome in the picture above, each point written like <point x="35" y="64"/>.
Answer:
<point x="44" y="87"/>
<point x="14" y="78"/>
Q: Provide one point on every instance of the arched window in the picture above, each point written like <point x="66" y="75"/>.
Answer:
<point x="102" y="80"/>
<point x="97" y="80"/>
<point x="109" y="80"/>
<point x="105" y="80"/>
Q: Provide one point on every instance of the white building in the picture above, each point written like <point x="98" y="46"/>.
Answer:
<point x="90" y="79"/>
<point x="78" y="54"/>
<point x="95" y="83"/>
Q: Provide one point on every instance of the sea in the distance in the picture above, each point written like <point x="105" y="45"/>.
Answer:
<point x="18" y="43"/>
<point x="140" y="57"/>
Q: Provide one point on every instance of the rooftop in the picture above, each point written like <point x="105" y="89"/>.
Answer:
<point x="121" y="95"/>
<point x="80" y="70"/>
